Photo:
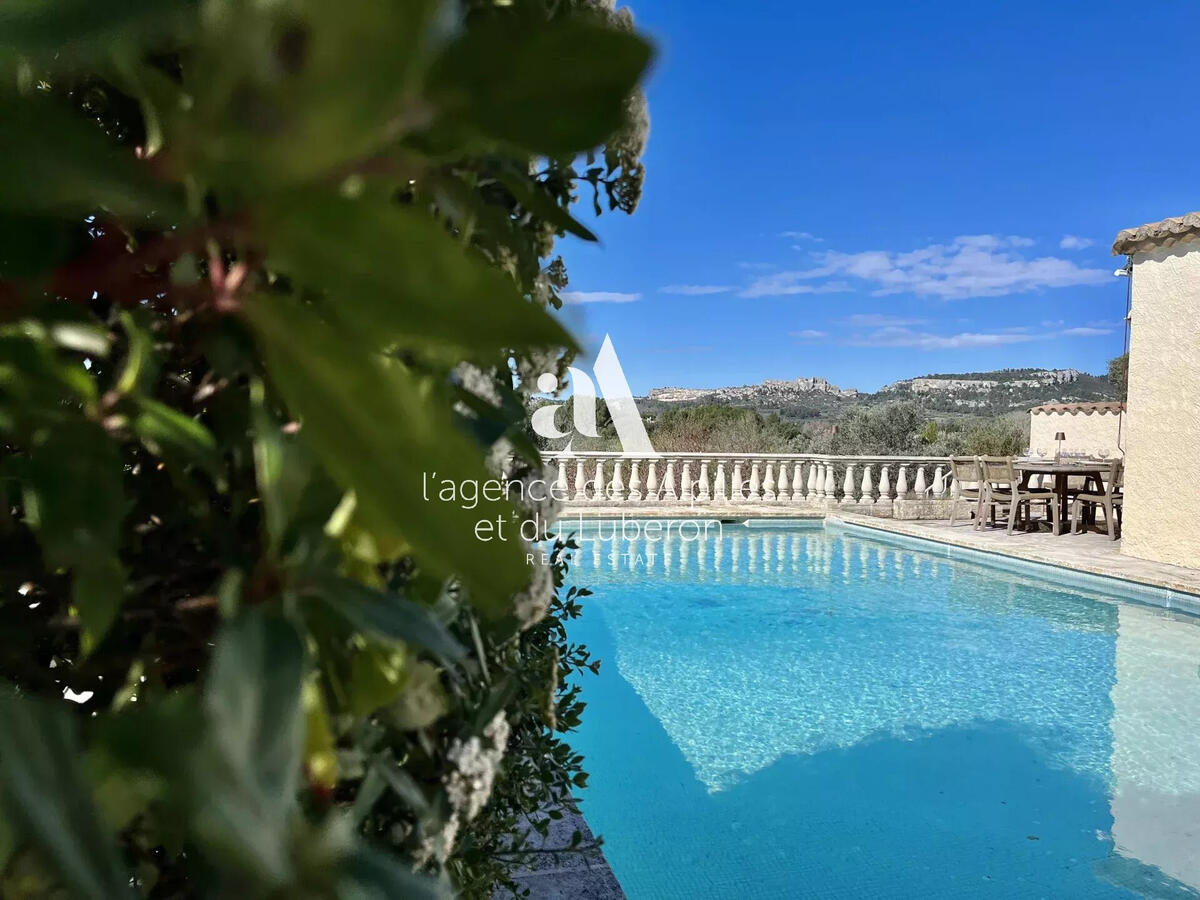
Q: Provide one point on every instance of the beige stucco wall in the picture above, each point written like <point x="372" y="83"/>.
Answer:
<point x="1162" y="457"/>
<point x="1094" y="432"/>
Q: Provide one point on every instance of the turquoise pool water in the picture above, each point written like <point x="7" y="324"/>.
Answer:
<point x="802" y="712"/>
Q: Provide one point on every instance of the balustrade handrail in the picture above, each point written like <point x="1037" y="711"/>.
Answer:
<point x="799" y="457"/>
<point x="606" y="477"/>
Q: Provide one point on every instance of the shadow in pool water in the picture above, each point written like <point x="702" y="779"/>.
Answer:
<point x="958" y="812"/>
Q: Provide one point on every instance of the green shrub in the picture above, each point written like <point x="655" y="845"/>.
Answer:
<point x="265" y="268"/>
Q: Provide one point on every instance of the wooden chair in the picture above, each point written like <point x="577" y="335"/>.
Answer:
<point x="965" y="472"/>
<point x="1002" y="487"/>
<point x="1109" y="498"/>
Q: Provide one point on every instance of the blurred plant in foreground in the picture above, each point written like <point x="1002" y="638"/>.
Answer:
<point x="262" y="267"/>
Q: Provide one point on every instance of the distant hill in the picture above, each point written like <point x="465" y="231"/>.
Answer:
<point x="967" y="393"/>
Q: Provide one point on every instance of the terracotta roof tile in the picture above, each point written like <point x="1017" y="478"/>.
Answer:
<point x="1108" y="406"/>
<point x="1157" y="234"/>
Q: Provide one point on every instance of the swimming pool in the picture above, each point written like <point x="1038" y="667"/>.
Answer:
<point x="807" y="712"/>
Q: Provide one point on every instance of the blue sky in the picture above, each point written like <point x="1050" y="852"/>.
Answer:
<point x="874" y="191"/>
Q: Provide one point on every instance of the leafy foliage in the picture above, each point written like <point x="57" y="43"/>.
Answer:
<point x="896" y="429"/>
<point x="1118" y="375"/>
<point x="265" y="271"/>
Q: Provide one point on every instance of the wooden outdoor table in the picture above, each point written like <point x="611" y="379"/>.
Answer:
<point x="1061" y="470"/>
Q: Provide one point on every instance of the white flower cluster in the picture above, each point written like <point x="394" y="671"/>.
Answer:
<point x="531" y="605"/>
<point x="476" y="762"/>
<point x="438" y="846"/>
<point x="469" y="785"/>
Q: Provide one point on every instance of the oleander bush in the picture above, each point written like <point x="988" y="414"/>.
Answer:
<point x="268" y="271"/>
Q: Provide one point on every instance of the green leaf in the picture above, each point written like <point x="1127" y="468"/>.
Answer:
<point x="140" y="367"/>
<point x="536" y="201"/>
<point x="287" y="92"/>
<point x="394" y="275"/>
<point x="168" y="433"/>
<point x="378" y="675"/>
<point x="59" y="163"/>
<point x="370" y="875"/>
<point x="402" y="784"/>
<point x="382" y="615"/>
<point x="82" y="30"/>
<point x="75" y="501"/>
<point x="248" y="774"/>
<point x="39" y="386"/>
<point x="369" y="792"/>
<point x="556" y="88"/>
<point x="296" y="497"/>
<point x="81" y="337"/>
<point x="375" y="430"/>
<point x="423" y="701"/>
<point x="75" y="495"/>
<point x="97" y="593"/>
<point x="46" y="789"/>
<point x="9" y="841"/>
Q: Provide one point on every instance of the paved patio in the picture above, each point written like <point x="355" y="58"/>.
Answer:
<point x="1092" y="553"/>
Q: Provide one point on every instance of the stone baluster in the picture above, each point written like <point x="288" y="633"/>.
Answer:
<point x="902" y="483"/>
<point x="812" y="481"/>
<point x="617" y="489"/>
<point x="685" y="486"/>
<point x="830" y="483"/>
<point x="885" y="487"/>
<point x="939" y="482"/>
<point x="652" y="481"/>
<point x="919" y="488"/>
<point x="797" y="482"/>
<point x="848" y="485"/>
<point x="755" y="482"/>
<point x="635" y="481"/>
<point x="737" y="492"/>
<point x="580" y="481"/>
<point x="669" y="482"/>
<point x="703" y="495"/>
<point x="561" y="490"/>
<point x="782" y="494"/>
<point x="955" y="488"/>
<point x="720" y="494"/>
<point x="867" y="495"/>
<point x="598" y="485"/>
<point x="769" y="483"/>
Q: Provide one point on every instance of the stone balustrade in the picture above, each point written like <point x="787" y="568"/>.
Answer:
<point x="903" y="486"/>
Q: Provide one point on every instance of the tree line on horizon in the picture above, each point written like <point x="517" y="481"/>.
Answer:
<point x="903" y="427"/>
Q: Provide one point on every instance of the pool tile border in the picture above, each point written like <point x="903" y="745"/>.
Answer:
<point x="1115" y="585"/>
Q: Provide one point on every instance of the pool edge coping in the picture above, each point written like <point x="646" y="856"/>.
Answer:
<point x="1171" y="597"/>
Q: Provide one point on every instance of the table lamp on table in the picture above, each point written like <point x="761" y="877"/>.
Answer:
<point x="1060" y="437"/>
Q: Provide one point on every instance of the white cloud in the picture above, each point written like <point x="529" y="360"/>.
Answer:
<point x="783" y="284"/>
<point x="980" y="265"/>
<point x="1053" y="323"/>
<point x="899" y="336"/>
<point x="757" y="266"/>
<point x="801" y="236"/>
<point x="1075" y="242"/>
<point x="576" y="297"/>
<point x="696" y="290"/>
<point x="879" y="320"/>
<point x="921" y="340"/>
<point x="809" y="334"/>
